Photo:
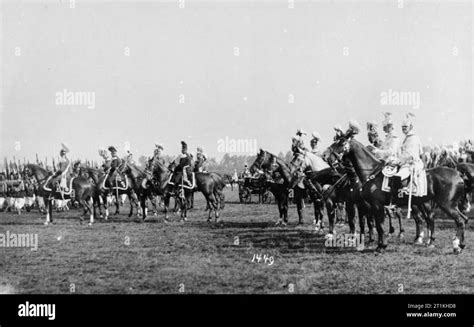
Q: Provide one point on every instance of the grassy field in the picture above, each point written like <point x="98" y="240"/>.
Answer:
<point x="126" y="255"/>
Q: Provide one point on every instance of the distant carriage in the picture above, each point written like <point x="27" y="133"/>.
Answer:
<point x="249" y="186"/>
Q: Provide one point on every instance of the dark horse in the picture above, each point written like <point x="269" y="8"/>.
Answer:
<point x="96" y="177"/>
<point x="147" y="185"/>
<point x="82" y="188"/>
<point x="445" y="188"/>
<point x="288" y="182"/>
<point x="211" y="185"/>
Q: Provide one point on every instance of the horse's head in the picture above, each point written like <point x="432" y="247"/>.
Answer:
<point x="263" y="161"/>
<point x="29" y="170"/>
<point x="334" y="154"/>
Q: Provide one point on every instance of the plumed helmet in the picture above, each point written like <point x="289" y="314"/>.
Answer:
<point x="372" y="126"/>
<point x="408" y="120"/>
<point x="354" y="127"/>
<point x="64" y="149"/>
<point x="316" y="136"/>
<point x="388" y="119"/>
<point x="300" y="131"/>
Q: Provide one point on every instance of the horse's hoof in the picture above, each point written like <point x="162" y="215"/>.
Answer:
<point x="401" y="236"/>
<point x="419" y="241"/>
<point x="46" y="223"/>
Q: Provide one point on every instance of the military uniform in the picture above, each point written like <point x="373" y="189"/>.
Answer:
<point x="410" y="152"/>
<point x="201" y="161"/>
<point x="115" y="162"/>
<point x="389" y="150"/>
<point x="184" y="162"/>
<point x="63" y="168"/>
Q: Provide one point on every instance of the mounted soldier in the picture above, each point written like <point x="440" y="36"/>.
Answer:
<point x="157" y="158"/>
<point x="298" y="149"/>
<point x="184" y="163"/>
<point x="314" y="143"/>
<point x="63" y="167"/>
<point x="201" y="161"/>
<point x="389" y="150"/>
<point x="410" y="159"/>
<point x="115" y="162"/>
<point x="373" y="136"/>
<point x="106" y="162"/>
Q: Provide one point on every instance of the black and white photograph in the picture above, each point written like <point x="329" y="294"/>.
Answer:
<point x="244" y="147"/>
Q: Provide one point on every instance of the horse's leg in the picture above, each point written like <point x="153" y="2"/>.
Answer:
<point x="418" y="222"/>
<point x="398" y="212"/>
<point x="143" y="206"/>
<point x="362" y="213"/>
<point x="389" y="213"/>
<point x="208" y="207"/>
<point x="49" y="211"/>
<point x="460" y="219"/>
<point x="90" y="206"/>
<point x="317" y="215"/>
<point x="379" y="214"/>
<point x="166" y="203"/>
<point x="429" y="217"/>
<point x="350" y="210"/>
<point x="299" y="204"/>
<point x="106" y="206"/>
<point x="117" y="204"/>
<point x="330" y="210"/>
<point x="370" y="226"/>
<point x="133" y="199"/>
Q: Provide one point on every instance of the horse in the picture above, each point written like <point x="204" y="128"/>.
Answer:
<point x="83" y="191"/>
<point x="211" y="185"/>
<point x="287" y="182"/>
<point x="445" y="188"/>
<point x="144" y="187"/>
<point x="96" y="177"/>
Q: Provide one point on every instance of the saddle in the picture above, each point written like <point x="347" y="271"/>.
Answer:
<point x="418" y="185"/>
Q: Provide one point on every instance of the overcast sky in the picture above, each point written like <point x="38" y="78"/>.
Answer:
<point x="253" y="70"/>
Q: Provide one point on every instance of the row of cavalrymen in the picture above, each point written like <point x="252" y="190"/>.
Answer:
<point x="112" y="162"/>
